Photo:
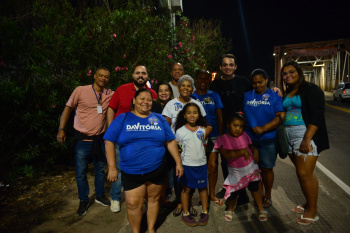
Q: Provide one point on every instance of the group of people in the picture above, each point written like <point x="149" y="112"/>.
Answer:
<point x="154" y="141"/>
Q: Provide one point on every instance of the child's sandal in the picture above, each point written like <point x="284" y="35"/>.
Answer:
<point x="228" y="215"/>
<point x="262" y="215"/>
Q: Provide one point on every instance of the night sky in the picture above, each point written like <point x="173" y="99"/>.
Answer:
<point x="256" y="26"/>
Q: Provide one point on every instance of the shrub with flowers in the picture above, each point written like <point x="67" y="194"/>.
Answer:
<point x="50" y="47"/>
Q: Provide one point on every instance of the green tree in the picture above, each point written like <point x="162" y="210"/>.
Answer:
<point x="50" y="47"/>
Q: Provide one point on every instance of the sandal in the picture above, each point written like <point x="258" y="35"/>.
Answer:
<point x="262" y="215"/>
<point x="228" y="215"/>
<point x="193" y="212"/>
<point x="299" y="209"/>
<point x="312" y="220"/>
<point x="177" y="212"/>
<point x="267" y="202"/>
<point x="219" y="203"/>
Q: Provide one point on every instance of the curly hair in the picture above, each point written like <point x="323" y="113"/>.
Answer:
<point x="181" y="121"/>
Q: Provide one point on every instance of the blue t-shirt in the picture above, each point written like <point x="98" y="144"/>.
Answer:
<point x="141" y="141"/>
<point x="261" y="109"/>
<point x="211" y="102"/>
<point x="293" y="111"/>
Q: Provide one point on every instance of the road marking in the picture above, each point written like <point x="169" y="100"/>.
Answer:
<point x="339" y="108"/>
<point x="335" y="179"/>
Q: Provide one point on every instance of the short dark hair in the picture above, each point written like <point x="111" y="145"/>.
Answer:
<point x="102" y="68"/>
<point x="138" y="66"/>
<point x="138" y="92"/>
<point x="228" y="55"/>
<point x="202" y="71"/>
<point x="257" y="72"/>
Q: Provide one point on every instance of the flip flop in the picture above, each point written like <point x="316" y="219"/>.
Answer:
<point x="262" y="216"/>
<point x="228" y="215"/>
<point x="267" y="202"/>
<point x="217" y="203"/>
<point x="308" y="219"/>
<point x="299" y="209"/>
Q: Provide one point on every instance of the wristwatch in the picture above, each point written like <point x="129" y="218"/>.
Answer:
<point x="60" y="129"/>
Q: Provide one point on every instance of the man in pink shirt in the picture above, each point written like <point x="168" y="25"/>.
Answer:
<point x="120" y="103"/>
<point x="90" y="105"/>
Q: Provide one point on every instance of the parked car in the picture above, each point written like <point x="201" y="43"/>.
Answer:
<point x="342" y="91"/>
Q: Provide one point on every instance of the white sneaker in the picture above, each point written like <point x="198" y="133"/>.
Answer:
<point x="115" y="206"/>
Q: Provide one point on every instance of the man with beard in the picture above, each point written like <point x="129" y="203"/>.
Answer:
<point x="120" y="103"/>
<point x="177" y="70"/>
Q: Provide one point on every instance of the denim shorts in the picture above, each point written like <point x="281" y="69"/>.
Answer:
<point x="267" y="152"/>
<point x="295" y="135"/>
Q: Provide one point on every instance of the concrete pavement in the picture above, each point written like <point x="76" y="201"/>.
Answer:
<point x="333" y="204"/>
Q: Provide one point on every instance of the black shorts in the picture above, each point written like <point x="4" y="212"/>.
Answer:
<point x="157" y="176"/>
<point x="252" y="186"/>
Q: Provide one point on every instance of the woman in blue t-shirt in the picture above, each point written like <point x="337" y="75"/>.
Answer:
<point x="264" y="111"/>
<point x="141" y="136"/>
<point x="213" y="106"/>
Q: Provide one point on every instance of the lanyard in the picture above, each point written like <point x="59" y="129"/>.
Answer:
<point x="98" y="99"/>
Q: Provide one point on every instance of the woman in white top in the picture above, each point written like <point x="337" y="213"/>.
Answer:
<point x="170" y="112"/>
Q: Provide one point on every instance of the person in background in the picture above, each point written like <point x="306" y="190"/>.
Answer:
<point x="89" y="104"/>
<point x="177" y="70"/>
<point x="143" y="137"/>
<point x="264" y="112"/>
<point x="306" y="130"/>
<point x="213" y="107"/>
<point x="120" y="103"/>
<point x="165" y="94"/>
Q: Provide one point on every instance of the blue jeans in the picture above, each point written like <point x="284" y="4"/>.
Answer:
<point x="82" y="158"/>
<point x="116" y="190"/>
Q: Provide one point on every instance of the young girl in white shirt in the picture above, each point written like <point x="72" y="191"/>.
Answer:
<point x="192" y="130"/>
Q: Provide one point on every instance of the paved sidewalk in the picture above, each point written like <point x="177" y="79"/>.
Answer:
<point x="334" y="211"/>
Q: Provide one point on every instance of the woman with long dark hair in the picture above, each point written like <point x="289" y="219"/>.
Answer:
<point x="305" y="125"/>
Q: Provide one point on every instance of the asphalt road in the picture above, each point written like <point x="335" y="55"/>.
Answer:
<point x="337" y="158"/>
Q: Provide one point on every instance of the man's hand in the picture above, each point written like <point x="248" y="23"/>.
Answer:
<point x="61" y="136"/>
<point x="258" y="130"/>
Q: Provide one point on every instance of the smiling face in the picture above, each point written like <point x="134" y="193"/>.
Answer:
<point x="259" y="83"/>
<point x="177" y="70"/>
<point x="290" y="75"/>
<point x="140" y="76"/>
<point x="143" y="103"/>
<point x="235" y="127"/>
<point x="185" y="89"/>
<point x="191" y="115"/>
<point x="164" y="93"/>
<point x="202" y="81"/>
<point x="228" y="66"/>
<point x="101" y="78"/>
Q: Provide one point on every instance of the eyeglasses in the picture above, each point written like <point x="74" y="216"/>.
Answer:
<point x="291" y="72"/>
